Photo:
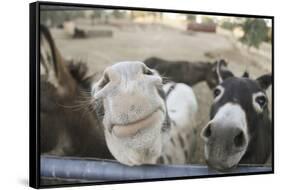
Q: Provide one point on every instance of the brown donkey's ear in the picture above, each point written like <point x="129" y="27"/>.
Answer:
<point x="221" y="71"/>
<point x="52" y="65"/>
<point x="265" y="81"/>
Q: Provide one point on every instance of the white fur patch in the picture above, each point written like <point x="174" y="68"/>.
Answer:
<point x="218" y="73"/>
<point x="181" y="104"/>
<point x="231" y="114"/>
<point x="182" y="107"/>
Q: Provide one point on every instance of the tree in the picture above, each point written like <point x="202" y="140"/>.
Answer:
<point x="208" y="20"/>
<point x="228" y="25"/>
<point x="255" y="32"/>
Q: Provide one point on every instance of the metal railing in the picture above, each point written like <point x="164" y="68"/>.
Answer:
<point x="70" y="168"/>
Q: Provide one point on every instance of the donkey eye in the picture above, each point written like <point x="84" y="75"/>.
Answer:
<point x="216" y="92"/>
<point x="147" y="71"/>
<point x="261" y="100"/>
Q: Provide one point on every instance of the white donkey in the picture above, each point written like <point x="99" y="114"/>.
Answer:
<point x="144" y="121"/>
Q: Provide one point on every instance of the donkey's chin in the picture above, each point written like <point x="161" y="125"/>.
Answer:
<point x="138" y="142"/>
<point x="225" y="164"/>
<point x="131" y="129"/>
<point x="222" y="167"/>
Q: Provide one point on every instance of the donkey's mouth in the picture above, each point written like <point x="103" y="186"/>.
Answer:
<point x="131" y="129"/>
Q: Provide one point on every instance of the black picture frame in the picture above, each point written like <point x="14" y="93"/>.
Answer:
<point x="34" y="97"/>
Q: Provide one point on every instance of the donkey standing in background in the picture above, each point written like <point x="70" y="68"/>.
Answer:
<point x="240" y="128"/>
<point x="187" y="72"/>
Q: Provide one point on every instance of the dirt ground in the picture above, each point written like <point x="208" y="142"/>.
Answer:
<point x="138" y="42"/>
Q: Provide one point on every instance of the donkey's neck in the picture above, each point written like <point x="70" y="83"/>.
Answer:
<point x="259" y="148"/>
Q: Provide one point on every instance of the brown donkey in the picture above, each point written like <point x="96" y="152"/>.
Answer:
<point x="66" y="129"/>
<point x="187" y="72"/>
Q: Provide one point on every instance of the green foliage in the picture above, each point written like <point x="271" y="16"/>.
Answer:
<point x="228" y="25"/>
<point x="207" y="20"/>
<point x="255" y="32"/>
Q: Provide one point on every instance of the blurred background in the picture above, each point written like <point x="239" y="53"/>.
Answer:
<point x="102" y="37"/>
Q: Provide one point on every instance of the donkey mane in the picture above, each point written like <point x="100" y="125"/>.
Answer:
<point x="79" y="71"/>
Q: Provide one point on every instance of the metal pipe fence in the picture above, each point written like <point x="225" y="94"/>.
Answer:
<point x="70" y="168"/>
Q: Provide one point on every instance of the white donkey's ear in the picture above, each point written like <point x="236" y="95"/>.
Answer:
<point x="221" y="71"/>
<point x="265" y="81"/>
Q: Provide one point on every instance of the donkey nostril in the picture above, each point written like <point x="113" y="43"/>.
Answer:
<point x="239" y="140"/>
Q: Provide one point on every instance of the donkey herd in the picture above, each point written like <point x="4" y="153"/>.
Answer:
<point x="144" y="112"/>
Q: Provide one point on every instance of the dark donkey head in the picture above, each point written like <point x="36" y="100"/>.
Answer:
<point x="65" y="129"/>
<point x="240" y="128"/>
<point x="187" y="72"/>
